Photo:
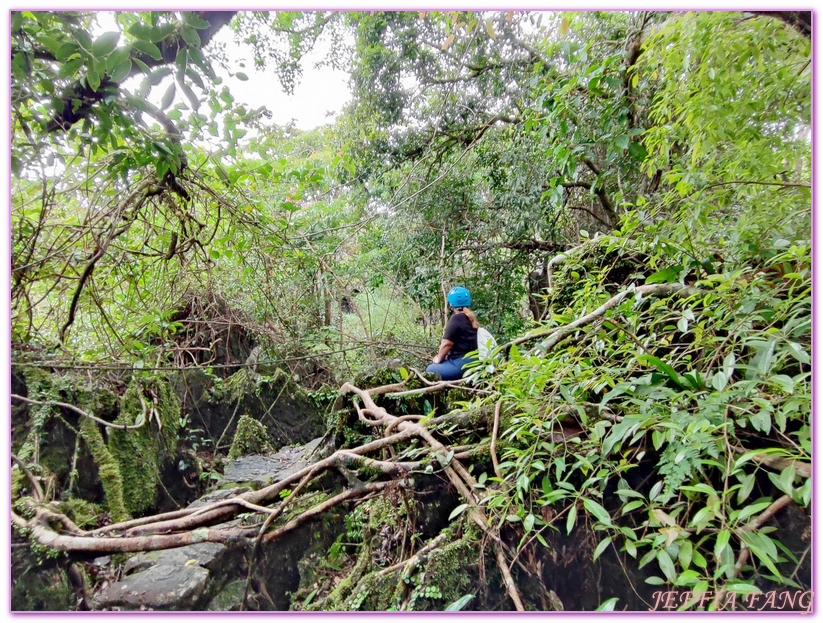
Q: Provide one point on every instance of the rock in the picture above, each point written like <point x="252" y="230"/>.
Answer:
<point x="208" y="555"/>
<point x="262" y="470"/>
<point x="212" y="576"/>
<point x="160" y="587"/>
<point x="229" y="598"/>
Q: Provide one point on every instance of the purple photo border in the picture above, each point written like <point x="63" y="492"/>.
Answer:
<point x="524" y="6"/>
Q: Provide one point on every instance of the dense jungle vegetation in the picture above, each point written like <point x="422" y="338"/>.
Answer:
<point x="627" y="195"/>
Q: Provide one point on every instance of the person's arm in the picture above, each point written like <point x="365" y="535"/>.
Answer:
<point x="445" y="347"/>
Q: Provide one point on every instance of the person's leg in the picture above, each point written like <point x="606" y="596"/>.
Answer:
<point x="449" y="370"/>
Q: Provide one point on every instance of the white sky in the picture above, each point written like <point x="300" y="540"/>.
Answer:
<point x="318" y="98"/>
<point x="321" y="91"/>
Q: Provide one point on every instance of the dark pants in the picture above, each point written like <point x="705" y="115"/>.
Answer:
<point x="451" y="369"/>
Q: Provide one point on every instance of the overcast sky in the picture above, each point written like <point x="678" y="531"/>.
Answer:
<point x="318" y="98"/>
<point x="320" y="91"/>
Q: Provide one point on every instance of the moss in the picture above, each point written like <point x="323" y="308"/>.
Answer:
<point x="251" y="438"/>
<point x="235" y="386"/>
<point x="482" y="416"/>
<point x="39" y="386"/>
<point x="81" y="512"/>
<point x="377" y="592"/>
<point x="108" y="469"/>
<point x="446" y="571"/>
<point x="383" y="512"/>
<point x="141" y="452"/>
<point x="42" y="589"/>
<point x="337" y="598"/>
<point x="37" y="379"/>
<point x="101" y="401"/>
<point x="17" y="478"/>
<point x="229" y="598"/>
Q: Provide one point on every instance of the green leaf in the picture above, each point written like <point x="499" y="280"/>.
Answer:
<point x="158" y="33"/>
<point x="598" y="511"/>
<point x="667" y="275"/>
<point x="748" y="511"/>
<point x="662" y="366"/>
<point x="742" y="587"/>
<point x="310" y="597"/>
<point x="69" y="68"/>
<point x="221" y="173"/>
<point x="458" y="605"/>
<point x="149" y="48"/>
<point x="118" y="65"/>
<point x="798" y="352"/>
<point x="601" y="547"/>
<point x="684" y="556"/>
<point x="93" y="79"/>
<point x="760" y="548"/>
<point x="193" y="19"/>
<point x="622" y="141"/>
<point x="634" y="504"/>
<point x="608" y="605"/>
<point x="637" y="151"/>
<point x="719" y="381"/>
<point x="181" y="61"/>
<point x="761" y="421"/>
<point x="728" y="365"/>
<point x="162" y="147"/>
<point x="747" y="485"/>
<point x="168" y="97"/>
<point x="190" y="36"/>
<point x="721" y="543"/>
<point x="666" y="566"/>
<point x="140" y="31"/>
<point x="241" y="76"/>
<point x="571" y="518"/>
<point x="52" y="45"/>
<point x="195" y="103"/>
<point x="457" y="511"/>
<point x="67" y="50"/>
<point x="104" y="44"/>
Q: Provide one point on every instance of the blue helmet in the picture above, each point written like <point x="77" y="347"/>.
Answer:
<point x="459" y="297"/>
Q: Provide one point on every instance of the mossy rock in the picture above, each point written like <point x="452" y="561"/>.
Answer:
<point x="141" y="452"/>
<point x="289" y="413"/>
<point x="251" y="437"/>
<point x="108" y="468"/>
<point x="376" y="592"/>
<point x="229" y="598"/>
<point x="446" y="570"/>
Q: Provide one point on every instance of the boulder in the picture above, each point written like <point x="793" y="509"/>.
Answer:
<point x="160" y="587"/>
<point x="262" y="470"/>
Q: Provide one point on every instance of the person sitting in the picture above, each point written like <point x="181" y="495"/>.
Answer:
<point x="459" y="337"/>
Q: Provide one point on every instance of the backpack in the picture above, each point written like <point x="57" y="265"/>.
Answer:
<point x="485" y="343"/>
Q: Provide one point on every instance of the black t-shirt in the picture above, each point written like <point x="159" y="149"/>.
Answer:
<point x="459" y="330"/>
